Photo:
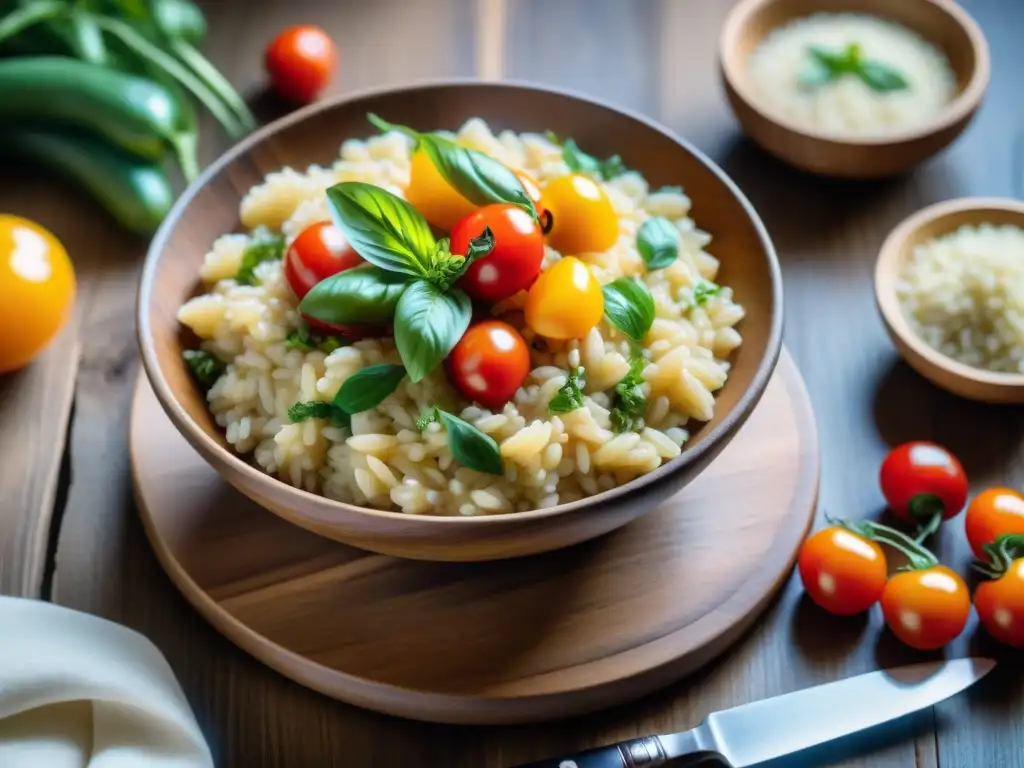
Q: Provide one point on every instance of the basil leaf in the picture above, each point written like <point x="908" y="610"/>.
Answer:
<point x="264" y="246"/>
<point x="703" y="291"/>
<point x="629" y="306"/>
<point x="581" y="162"/>
<point x="367" y="388"/>
<point x="657" y="240"/>
<point x="570" y="396"/>
<point x="881" y="77"/>
<point x="471" y="447"/>
<point x="204" y="367"/>
<point x="477" y="177"/>
<point x="815" y="73"/>
<point x="364" y="295"/>
<point x="428" y="323"/>
<point x="381" y="227"/>
<point x="316" y="409"/>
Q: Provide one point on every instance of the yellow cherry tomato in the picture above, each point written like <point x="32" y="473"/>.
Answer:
<point x="37" y="290"/>
<point x="565" y="301"/>
<point x="583" y="218"/>
<point x="434" y="197"/>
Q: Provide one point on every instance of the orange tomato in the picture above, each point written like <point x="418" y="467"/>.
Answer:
<point x="841" y="571"/>
<point x="583" y="219"/>
<point x="300" y="62"/>
<point x="565" y="301"/>
<point x="37" y="290"/>
<point x="1000" y="605"/>
<point x="433" y="196"/>
<point x="991" y="514"/>
<point x="926" y="608"/>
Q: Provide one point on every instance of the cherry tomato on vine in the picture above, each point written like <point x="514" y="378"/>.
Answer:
<point x="583" y="219"/>
<point x="926" y="608"/>
<point x="991" y="514"/>
<point x="319" y="251"/>
<point x="430" y="194"/>
<point x="842" y="572"/>
<point x="565" y="302"/>
<point x="533" y="192"/>
<point x="921" y="481"/>
<point x="1000" y="605"/>
<point x="514" y="263"/>
<point x="490" y="362"/>
<point x="300" y="62"/>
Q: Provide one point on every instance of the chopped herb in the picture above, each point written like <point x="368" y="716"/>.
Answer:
<point x="303" y="339"/>
<point x="824" y="66"/>
<point x="629" y="405"/>
<point x="581" y="162"/>
<point x="264" y="246"/>
<point x="570" y="396"/>
<point x="703" y="291"/>
<point x="427" y="418"/>
<point x="205" y="367"/>
<point x="316" y="409"/>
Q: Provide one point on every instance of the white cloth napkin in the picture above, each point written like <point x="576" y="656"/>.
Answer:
<point x="77" y="691"/>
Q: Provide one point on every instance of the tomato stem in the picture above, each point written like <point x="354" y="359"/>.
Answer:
<point x="924" y="506"/>
<point x="920" y="557"/>
<point x="1001" y="552"/>
<point x="547" y="222"/>
<point x="926" y="530"/>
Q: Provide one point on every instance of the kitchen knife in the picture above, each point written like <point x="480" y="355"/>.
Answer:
<point x="786" y="724"/>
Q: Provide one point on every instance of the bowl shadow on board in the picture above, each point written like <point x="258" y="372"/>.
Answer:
<point x="909" y="407"/>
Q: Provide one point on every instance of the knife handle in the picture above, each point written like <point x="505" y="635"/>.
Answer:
<point x="647" y="752"/>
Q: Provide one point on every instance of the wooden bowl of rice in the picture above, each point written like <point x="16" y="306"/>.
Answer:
<point x="815" y="145"/>
<point x="210" y="208"/>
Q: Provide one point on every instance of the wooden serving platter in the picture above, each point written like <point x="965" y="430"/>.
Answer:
<point x="535" y="638"/>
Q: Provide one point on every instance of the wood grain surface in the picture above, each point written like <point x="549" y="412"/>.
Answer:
<point x="657" y="56"/>
<point x="560" y="634"/>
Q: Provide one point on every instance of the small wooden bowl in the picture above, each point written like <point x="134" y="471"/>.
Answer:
<point x="934" y="221"/>
<point x="942" y="22"/>
<point x="209" y="208"/>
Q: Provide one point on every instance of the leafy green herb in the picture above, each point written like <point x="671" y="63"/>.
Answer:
<point x="303" y="339"/>
<point x="824" y="65"/>
<point x="657" y="240"/>
<point x="629" y="306"/>
<point x="264" y="245"/>
<point x="570" y="396"/>
<point x="580" y="162"/>
<point x="470" y="447"/>
<point x="703" y="291"/>
<point x="629" y="404"/>
<point x="428" y="324"/>
<point x="316" y="409"/>
<point x="478" y="177"/>
<point x="368" y="387"/>
<point x="363" y="295"/>
<point x="446" y="268"/>
<point x="205" y="367"/>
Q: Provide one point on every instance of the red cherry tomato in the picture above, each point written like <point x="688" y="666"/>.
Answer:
<point x="490" y="362"/>
<point x="926" y="608"/>
<point x="514" y="263"/>
<point x="841" y="571"/>
<point x="920" y="480"/>
<point x="300" y="62"/>
<point x="1000" y="605"/>
<point x="991" y="514"/>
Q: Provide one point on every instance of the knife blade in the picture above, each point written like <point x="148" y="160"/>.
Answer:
<point x="770" y="728"/>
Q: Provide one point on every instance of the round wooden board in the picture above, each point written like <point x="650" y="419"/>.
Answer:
<point x="503" y="642"/>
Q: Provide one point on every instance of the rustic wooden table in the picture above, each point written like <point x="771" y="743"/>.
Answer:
<point x="68" y="527"/>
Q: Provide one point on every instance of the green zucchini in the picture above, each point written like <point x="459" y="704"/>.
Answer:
<point x="136" y="192"/>
<point x="138" y="115"/>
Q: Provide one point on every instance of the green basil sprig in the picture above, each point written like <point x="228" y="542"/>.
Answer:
<point x="570" y="396"/>
<point x="657" y="240"/>
<point x="470" y="447"/>
<point x="580" y="162"/>
<point x="824" y="66"/>
<point x="366" y="294"/>
<point x="629" y="404"/>
<point x="629" y="306"/>
<point x="368" y="387"/>
<point x="428" y="324"/>
<point x="477" y="177"/>
<point x="204" y="367"/>
<point x="264" y="246"/>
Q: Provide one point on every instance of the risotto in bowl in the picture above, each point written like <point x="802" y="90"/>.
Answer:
<point x="460" y="321"/>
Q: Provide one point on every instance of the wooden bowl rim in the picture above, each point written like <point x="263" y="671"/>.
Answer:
<point x="889" y="257"/>
<point x="966" y="102"/>
<point x="207" y="446"/>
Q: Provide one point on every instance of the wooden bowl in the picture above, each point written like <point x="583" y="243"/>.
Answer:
<point x="942" y="22"/>
<point x="934" y="221"/>
<point x="210" y="208"/>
